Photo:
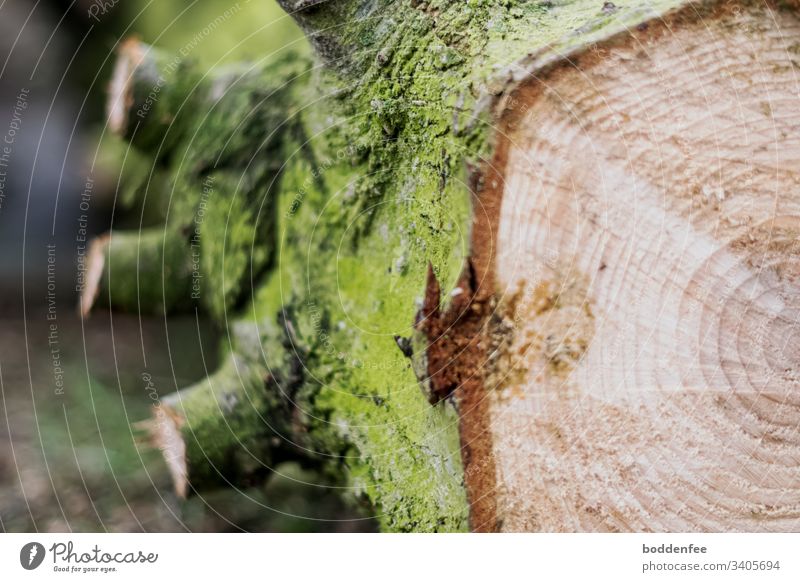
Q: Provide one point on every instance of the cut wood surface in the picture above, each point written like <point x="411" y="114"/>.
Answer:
<point x="646" y="375"/>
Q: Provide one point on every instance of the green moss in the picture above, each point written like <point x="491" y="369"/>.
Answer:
<point x="226" y="174"/>
<point x="230" y="421"/>
<point x="146" y="270"/>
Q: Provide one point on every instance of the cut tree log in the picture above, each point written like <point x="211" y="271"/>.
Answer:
<point x="574" y="224"/>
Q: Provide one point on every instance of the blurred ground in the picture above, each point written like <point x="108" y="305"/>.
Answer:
<point x="70" y="461"/>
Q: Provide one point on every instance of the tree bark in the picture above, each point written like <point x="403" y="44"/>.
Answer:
<point x="572" y="224"/>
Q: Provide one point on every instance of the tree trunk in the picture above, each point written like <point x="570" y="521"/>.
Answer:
<point x="572" y="224"/>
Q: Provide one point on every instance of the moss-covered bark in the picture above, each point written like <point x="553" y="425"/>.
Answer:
<point x="334" y="185"/>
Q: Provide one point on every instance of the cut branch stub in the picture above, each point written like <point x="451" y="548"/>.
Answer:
<point x="223" y="431"/>
<point x="149" y="271"/>
<point x="147" y="90"/>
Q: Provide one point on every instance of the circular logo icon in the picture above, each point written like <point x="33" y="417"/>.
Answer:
<point x="31" y="555"/>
